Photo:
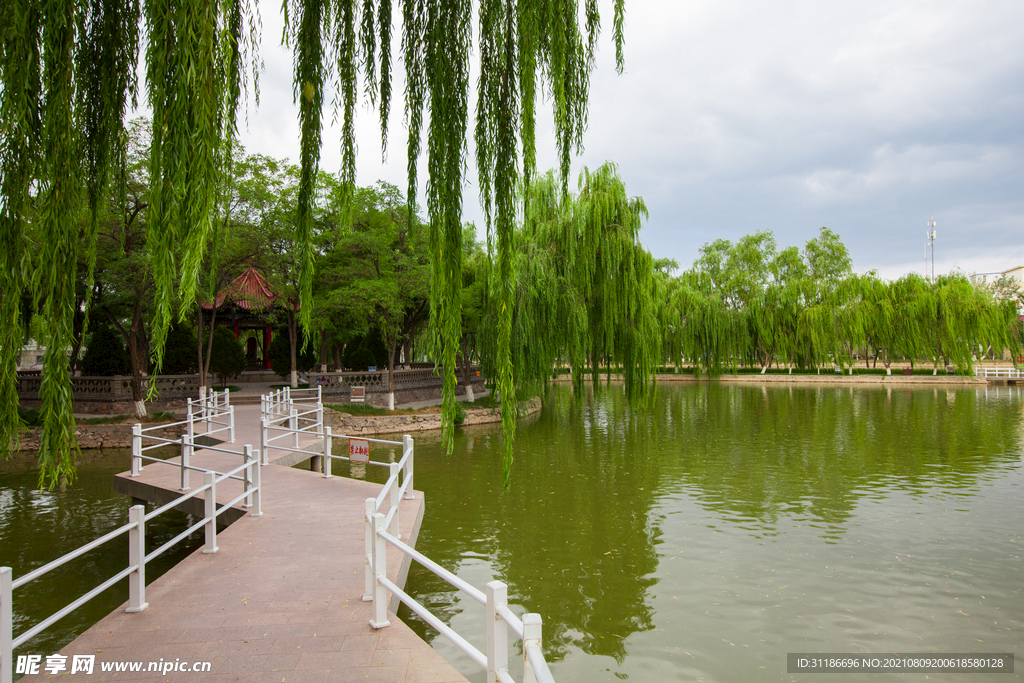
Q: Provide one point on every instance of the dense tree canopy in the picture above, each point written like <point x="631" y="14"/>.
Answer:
<point x="68" y="72"/>
<point x="750" y="304"/>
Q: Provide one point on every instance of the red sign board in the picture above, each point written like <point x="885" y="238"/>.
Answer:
<point x="358" y="450"/>
<point x="358" y="394"/>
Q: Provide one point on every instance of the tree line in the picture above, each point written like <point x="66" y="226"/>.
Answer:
<point x="750" y="304"/>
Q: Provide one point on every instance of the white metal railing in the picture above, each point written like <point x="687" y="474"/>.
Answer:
<point x="250" y="497"/>
<point x="500" y="618"/>
<point x="1012" y="373"/>
<point x="290" y="414"/>
<point x="203" y="412"/>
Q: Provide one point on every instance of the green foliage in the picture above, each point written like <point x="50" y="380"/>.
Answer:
<point x="180" y="356"/>
<point x="29" y="417"/>
<point x="748" y="304"/>
<point x="105" y="355"/>
<point x="361" y="358"/>
<point x="227" y="357"/>
<point x="68" y="70"/>
<point x="460" y="415"/>
<point x="584" y="289"/>
<point x="376" y="275"/>
<point x="281" y="357"/>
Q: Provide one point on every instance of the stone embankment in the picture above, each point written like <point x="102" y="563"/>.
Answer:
<point x="344" y="423"/>
<point x="96" y="436"/>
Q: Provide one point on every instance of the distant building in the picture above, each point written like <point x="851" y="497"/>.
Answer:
<point x="31" y="356"/>
<point x="1016" y="274"/>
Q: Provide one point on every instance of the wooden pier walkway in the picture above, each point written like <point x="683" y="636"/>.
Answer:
<point x="281" y="600"/>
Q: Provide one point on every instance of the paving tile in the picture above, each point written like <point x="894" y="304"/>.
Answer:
<point x="335" y="661"/>
<point x="297" y="676"/>
<point x="366" y="642"/>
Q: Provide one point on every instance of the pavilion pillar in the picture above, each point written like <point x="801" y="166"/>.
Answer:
<point x="266" y="347"/>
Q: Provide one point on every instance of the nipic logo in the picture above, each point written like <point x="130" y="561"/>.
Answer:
<point x="29" y="664"/>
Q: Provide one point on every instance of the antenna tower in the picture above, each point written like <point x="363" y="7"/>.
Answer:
<point x="930" y="248"/>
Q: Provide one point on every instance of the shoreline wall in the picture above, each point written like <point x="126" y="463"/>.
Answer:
<point x="830" y="378"/>
<point x="344" y="423"/>
<point x="94" y="436"/>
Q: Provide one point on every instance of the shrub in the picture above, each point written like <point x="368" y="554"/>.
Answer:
<point x="361" y="359"/>
<point x="362" y="352"/>
<point x="227" y="358"/>
<point x="180" y="357"/>
<point x="105" y="354"/>
<point x="460" y="414"/>
<point x="280" y="354"/>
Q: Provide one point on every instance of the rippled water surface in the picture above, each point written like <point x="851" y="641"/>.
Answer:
<point x="37" y="527"/>
<point x="700" y="539"/>
<point x="707" y="536"/>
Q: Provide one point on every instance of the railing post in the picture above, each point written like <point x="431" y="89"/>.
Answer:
<point x="263" y="441"/>
<point x="328" y="449"/>
<point x="246" y="479"/>
<point x="407" y="455"/>
<point x="136" y="449"/>
<point x="257" y="484"/>
<point x="210" y="512"/>
<point x="531" y="637"/>
<point x="191" y="425"/>
<point x="137" y="557"/>
<point x="186" y="453"/>
<point x="231" y="420"/>
<point x="227" y="397"/>
<point x="6" y="625"/>
<point x="380" y="557"/>
<point x="368" y="523"/>
<point x="293" y="424"/>
<point x="395" y="499"/>
<point x="497" y="631"/>
<point x="202" y="410"/>
<point x="320" y="416"/>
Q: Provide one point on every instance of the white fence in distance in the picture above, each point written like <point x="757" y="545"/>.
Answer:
<point x="1009" y="373"/>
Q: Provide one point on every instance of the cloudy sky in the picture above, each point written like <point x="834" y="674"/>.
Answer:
<point x="731" y="117"/>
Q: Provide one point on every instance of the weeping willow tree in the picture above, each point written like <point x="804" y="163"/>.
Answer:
<point x="68" y="68"/>
<point x="703" y="328"/>
<point x="966" y="322"/>
<point x="67" y="71"/>
<point x="523" y="47"/>
<point x="584" y="289"/>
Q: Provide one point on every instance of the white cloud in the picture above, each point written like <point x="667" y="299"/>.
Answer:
<point x="734" y="116"/>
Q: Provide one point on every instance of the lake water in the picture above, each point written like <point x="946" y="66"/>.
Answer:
<point x="37" y="527"/>
<point x="699" y="539"/>
<point x="705" y="537"/>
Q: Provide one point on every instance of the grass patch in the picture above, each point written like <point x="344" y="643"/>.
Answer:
<point x="485" y="402"/>
<point x="230" y="388"/>
<point x="282" y="386"/>
<point x="919" y="371"/>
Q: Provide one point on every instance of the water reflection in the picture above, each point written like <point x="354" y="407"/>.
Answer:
<point x="581" y="537"/>
<point x="37" y="527"/>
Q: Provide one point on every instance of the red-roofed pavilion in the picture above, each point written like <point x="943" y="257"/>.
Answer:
<point x="247" y="303"/>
